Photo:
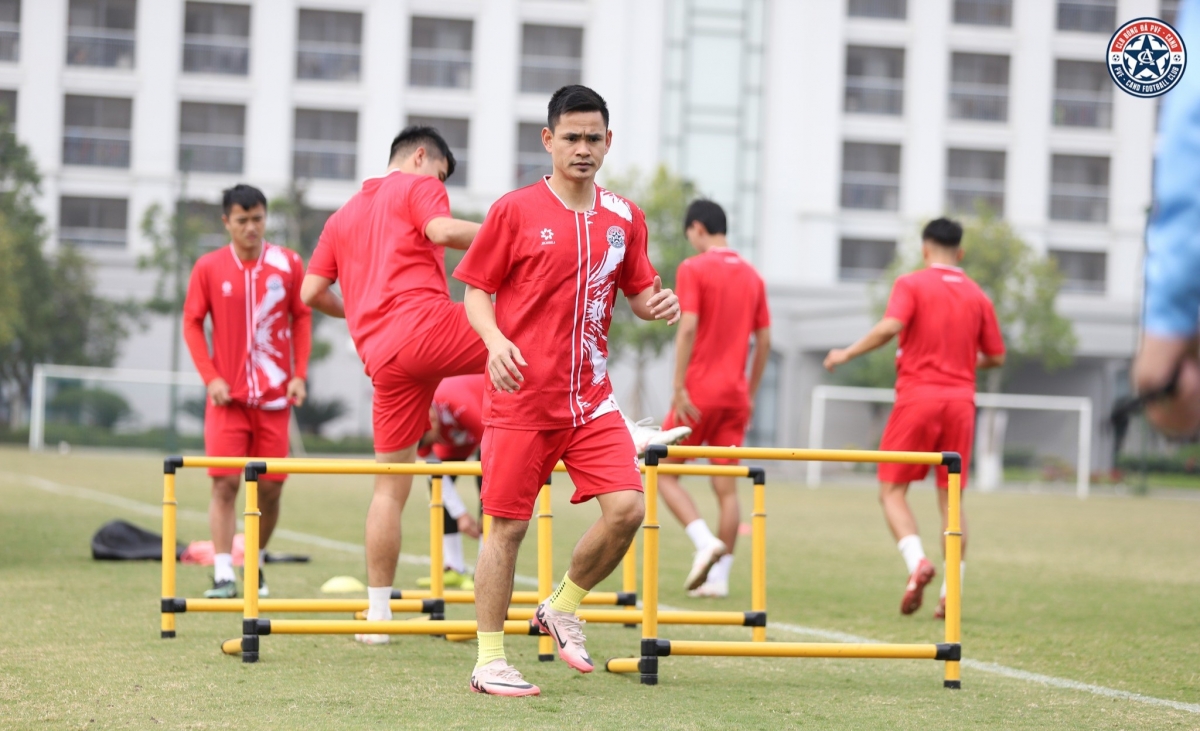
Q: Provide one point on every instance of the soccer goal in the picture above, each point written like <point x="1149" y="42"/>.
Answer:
<point x="822" y="395"/>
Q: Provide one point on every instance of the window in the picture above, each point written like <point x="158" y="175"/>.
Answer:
<point x="974" y="177"/>
<point x="10" y="30"/>
<point x="1087" y="16"/>
<point x="979" y="87"/>
<point x="8" y="107"/>
<point x="93" y="221"/>
<point x="1079" y="188"/>
<point x="326" y="144"/>
<point x="983" y="12"/>
<point x="206" y="218"/>
<point x="329" y="46"/>
<point x="456" y="132"/>
<point x="101" y="33"/>
<point x="441" y="53"/>
<point x="1082" y="94"/>
<point x="870" y="176"/>
<point x="864" y="260"/>
<point x="893" y="9"/>
<point x="1083" y="272"/>
<point x="212" y="137"/>
<point x="551" y="57"/>
<point x="532" y="159"/>
<point x="874" y="80"/>
<point x="216" y="39"/>
<point x="1169" y="11"/>
<point x="96" y="131"/>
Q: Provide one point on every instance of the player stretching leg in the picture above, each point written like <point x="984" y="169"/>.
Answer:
<point x="724" y="304"/>
<point x="385" y="248"/>
<point x="554" y="254"/>
<point x="947" y="328"/>
<point x="261" y="339"/>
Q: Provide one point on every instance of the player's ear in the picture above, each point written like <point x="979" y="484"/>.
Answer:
<point x="547" y="138"/>
<point x="607" y="140"/>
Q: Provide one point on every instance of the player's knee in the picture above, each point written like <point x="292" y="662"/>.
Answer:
<point x="269" y="493"/>
<point x="627" y="515"/>
<point x="508" y="531"/>
<point x="225" y="488"/>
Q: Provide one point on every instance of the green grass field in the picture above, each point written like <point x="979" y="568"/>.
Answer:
<point x="1102" y="592"/>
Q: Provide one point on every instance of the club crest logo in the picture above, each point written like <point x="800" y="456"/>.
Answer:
<point x="616" y="237"/>
<point x="1146" y="57"/>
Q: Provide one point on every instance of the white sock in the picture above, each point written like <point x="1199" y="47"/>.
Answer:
<point x="379" y="607"/>
<point x="910" y="547"/>
<point x="719" y="573"/>
<point x="962" y="574"/>
<point x="701" y="536"/>
<point x="223" y="567"/>
<point x="452" y="552"/>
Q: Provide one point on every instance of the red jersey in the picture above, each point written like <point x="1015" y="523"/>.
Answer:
<point x="392" y="276"/>
<point x="948" y="322"/>
<point x="729" y="300"/>
<point x="555" y="274"/>
<point x="459" y="405"/>
<point x="261" y="330"/>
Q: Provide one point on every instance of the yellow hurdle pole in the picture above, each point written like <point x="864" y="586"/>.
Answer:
<point x="545" y="544"/>
<point x="487" y="526"/>
<point x="758" y="554"/>
<point x="457" y="596"/>
<point x="629" y="575"/>
<point x="622" y="665"/>
<point x="804" y="649"/>
<point x="168" y="547"/>
<point x="437" y="588"/>
<point x="416" y="606"/>
<point x="649" y="652"/>
<point x="954" y="569"/>
<point x="620" y="616"/>
<point x="383" y="627"/>
<point x="250" y="569"/>
<point x="806" y="455"/>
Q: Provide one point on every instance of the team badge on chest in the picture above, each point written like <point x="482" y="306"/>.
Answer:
<point x="616" y="237"/>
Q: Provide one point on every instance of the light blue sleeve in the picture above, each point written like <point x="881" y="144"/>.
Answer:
<point x="1172" y="299"/>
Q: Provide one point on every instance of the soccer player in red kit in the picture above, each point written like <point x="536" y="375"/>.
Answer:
<point x="385" y="248"/>
<point x="724" y="304"/>
<point x="554" y="254"/>
<point x="948" y="329"/>
<point x="261" y="339"/>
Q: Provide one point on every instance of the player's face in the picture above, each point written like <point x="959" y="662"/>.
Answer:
<point x="246" y="227"/>
<point x="578" y="144"/>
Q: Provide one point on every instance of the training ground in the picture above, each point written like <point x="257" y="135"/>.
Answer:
<point x="1076" y="615"/>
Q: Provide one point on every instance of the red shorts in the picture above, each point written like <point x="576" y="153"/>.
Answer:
<point x="715" y="428"/>
<point x="928" y="426"/>
<point x="516" y="463"/>
<point x="404" y="387"/>
<point x="237" y="430"/>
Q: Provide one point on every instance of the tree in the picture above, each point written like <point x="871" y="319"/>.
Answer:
<point x="664" y="198"/>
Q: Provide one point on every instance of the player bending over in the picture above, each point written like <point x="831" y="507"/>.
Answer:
<point x="385" y="249"/>
<point x="947" y="328"/>
<point x="261" y="339"/>
<point x="724" y="304"/>
<point x="554" y="254"/>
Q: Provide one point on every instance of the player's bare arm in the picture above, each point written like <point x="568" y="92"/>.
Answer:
<point x="1167" y="371"/>
<point x="685" y="342"/>
<point x="504" y="359"/>
<point x="877" y="337"/>
<point x="452" y="233"/>
<point x="762" y="353"/>
<point x="656" y="303"/>
<point x="316" y="293"/>
<point x="297" y="391"/>
<point x="218" y="391"/>
<point x="987" y="362"/>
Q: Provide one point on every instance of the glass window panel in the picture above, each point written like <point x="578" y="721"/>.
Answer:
<point x="979" y="87"/>
<point x="870" y="176"/>
<point x="1079" y="188"/>
<point x="1084" y="272"/>
<point x="101" y="33"/>
<point x="874" y="80"/>
<point x="975" y="177"/>
<point x="329" y="45"/>
<point x="864" y="260"/>
<point x="96" y="131"/>
<point x="711" y="160"/>
<point x="551" y="57"/>
<point x="211" y="137"/>
<point x="714" y="73"/>
<point x="457" y="133"/>
<point x="532" y="159"/>
<point x="893" y="9"/>
<point x="1087" y="16"/>
<point x="8" y="107"/>
<point x="1082" y="94"/>
<point x="216" y="38"/>
<point x="440" y="53"/>
<point x="10" y="30"/>
<point x="206" y="218"/>
<point x="326" y="144"/>
<point x="93" y="221"/>
<point x="983" y="12"/>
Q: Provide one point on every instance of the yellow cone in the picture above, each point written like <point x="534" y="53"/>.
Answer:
<point x="342" y="585"/>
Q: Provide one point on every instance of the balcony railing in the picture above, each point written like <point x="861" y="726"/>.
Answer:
<point x="1087" y="16"/>
<point x="100" y="47"/>
<point x="96" y="146"/>
<point x="984" y="102"/>
<point x="206" y="54"/>
<point x="447" y="68"/>
<point x="328" y="61"/>
<point x="1082" y="109"/>
<point x="1072" y="202"/>
<point x="209" y="153"/>
<point x="10" y="42"/>
<point x="325" y="159"/>
<point x="549" y="73"/>
<point x="865" y="95"/>
<point x="105" y="237"/>
<point x="875" y="191"/>
<point x="963" y="194"/>
<point x="983" y="12"/>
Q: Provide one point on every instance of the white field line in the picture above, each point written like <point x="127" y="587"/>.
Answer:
<point x="141" y="508"/>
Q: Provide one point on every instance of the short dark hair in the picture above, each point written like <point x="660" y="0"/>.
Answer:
<point x="420" y="135"/>
<point x="708" y="213"/>
<point x="575" y="98"/>
<point x="246" y="196"/>
<point x="943" y="232"/>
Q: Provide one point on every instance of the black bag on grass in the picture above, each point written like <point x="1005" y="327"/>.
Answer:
<point x="118" y="540"/>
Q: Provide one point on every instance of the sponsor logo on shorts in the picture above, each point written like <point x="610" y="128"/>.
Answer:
<point x="1146" y="57"/>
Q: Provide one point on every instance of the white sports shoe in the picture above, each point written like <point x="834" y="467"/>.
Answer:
<point x="703" y="561"/>
<point x="644" y="434"/>
<point x="711" y="590"/>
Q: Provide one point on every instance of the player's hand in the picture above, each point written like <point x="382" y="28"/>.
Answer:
<point x="836" y="357"/>
<point x="663" y="303"/>
<point x="503" y="361"/>
<point x="218" y="392"/>
<point x="297" y="391"/>
<point x="685" y="410"/>
<point x="468" y="526"/>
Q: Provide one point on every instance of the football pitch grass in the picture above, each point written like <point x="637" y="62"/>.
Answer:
<point x="1104" y="592"/>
